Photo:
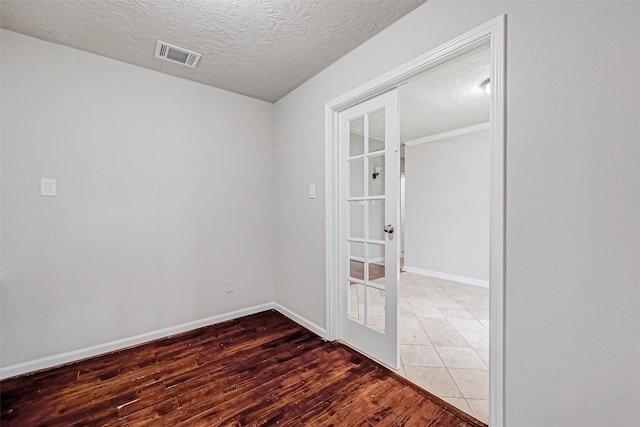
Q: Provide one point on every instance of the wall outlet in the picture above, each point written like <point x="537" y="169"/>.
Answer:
<point x="48" y="187"/>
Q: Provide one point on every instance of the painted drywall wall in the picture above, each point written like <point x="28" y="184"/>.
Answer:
<point x="447" y="206"/>
<point x="572" y="201"/>
<point x="165" y="193"/>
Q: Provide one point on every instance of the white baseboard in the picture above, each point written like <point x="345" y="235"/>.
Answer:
<point x="75" y="355"/>
<point x="303" y="321"/>
<point x="447" y="276"/>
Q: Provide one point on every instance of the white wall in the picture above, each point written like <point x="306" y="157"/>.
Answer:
<point x="165" y="192"/>
<point x="572" y="205"/>
<point x="447" y="206"/>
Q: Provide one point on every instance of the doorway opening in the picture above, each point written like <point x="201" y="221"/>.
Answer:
<point x="342" y="114"/>
<point x="443" y="292"/>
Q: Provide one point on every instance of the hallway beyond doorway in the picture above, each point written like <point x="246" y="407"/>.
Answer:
<point x="444" y="340"/>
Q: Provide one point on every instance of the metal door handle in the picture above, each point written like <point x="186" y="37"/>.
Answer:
<point x="389" y="229"/>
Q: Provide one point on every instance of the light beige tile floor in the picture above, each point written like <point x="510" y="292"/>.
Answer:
<point x="444" y="340"/>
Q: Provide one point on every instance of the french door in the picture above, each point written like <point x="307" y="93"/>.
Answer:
<point x="368" y="226"/>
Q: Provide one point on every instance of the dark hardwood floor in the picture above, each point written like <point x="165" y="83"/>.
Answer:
<point x="261" y="369"/>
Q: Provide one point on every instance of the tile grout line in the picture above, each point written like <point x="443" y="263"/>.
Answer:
<point x="475" y="350"/>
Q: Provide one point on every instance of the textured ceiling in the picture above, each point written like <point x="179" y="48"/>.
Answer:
<point x="259" y="48"/>
<point x="446" y="97"/>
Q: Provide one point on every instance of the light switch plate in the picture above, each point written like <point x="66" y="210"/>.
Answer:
<point x="312" y="191"/>
<point x="48" y="187"/>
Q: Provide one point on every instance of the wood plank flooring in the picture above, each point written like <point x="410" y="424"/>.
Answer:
<point x="257" y="370"/>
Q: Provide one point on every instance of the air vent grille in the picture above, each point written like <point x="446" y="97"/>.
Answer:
<point x="177" y="54"/>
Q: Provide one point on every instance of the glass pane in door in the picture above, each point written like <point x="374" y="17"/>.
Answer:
<point x="356" y="137"/>
<point x="356" y="302"/>
<point x="376" y="220"/>
<point x="356" y="260"/>
<point x="375" y="265"/>
<point x="356" y="219"/>
<point x="375" y="309"/>
<point x="356" y="178"/>
<point x="376" y="175"/>
<point x="376" y="131"/>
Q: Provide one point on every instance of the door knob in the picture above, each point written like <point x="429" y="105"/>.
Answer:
<point x="389" y="229"/>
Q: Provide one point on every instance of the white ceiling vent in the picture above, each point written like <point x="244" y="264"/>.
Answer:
<point x="177" y="54"/>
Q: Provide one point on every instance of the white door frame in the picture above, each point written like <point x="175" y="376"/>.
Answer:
<point x="495" y="32"/>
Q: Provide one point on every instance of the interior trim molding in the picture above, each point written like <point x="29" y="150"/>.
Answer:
<point x="301" y="320"/>
<point x="493" y="31"/>
<point x="447" y="276"/>
<point x="83" y="353"/>
<point x="96" y="350"/>
<point x="448" y="134"/>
